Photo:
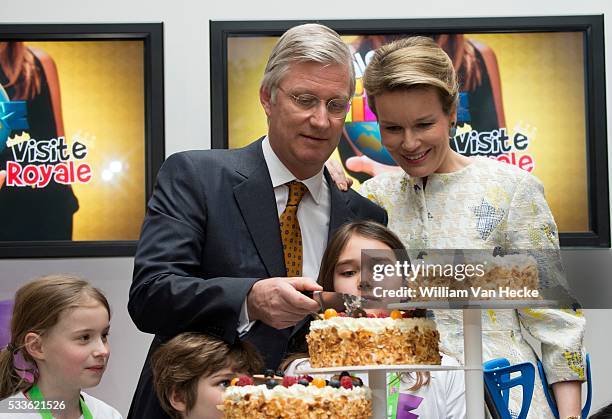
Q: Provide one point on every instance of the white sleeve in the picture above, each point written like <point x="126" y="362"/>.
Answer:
<point x="454" y="388"/>
<point x="244" y="324"/>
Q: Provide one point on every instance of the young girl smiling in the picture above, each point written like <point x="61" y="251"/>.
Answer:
<point x="59" y="328"/>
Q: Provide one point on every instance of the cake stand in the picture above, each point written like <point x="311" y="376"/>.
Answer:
<point x="472" y="354"/>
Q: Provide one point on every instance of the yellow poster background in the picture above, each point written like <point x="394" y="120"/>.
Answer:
<point x="102" y="95"/>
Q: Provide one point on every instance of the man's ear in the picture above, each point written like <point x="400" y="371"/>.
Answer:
<point x="265" y="98"/>
<point x="177" y="402"/>
<point x="33" y="346"/>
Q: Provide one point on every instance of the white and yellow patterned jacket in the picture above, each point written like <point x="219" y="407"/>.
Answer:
<point x="482" y="206"/>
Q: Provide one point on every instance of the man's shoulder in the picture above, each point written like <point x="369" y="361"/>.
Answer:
<point x="363" y="207"/>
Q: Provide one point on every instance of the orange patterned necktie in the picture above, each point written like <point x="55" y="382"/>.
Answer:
<point x="290" y="229"/>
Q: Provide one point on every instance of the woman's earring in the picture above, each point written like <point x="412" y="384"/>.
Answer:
<point x="453" y="131"/>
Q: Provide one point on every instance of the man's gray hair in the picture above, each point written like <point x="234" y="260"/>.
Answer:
<point x="310" y="42"/>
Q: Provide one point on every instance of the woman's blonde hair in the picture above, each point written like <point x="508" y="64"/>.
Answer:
<point x="409" y="63"/>
<point x="38" y="306"/>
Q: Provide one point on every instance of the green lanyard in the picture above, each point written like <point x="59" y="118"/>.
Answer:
<point x="392" y="395"/>
<point x="36" y="395"/>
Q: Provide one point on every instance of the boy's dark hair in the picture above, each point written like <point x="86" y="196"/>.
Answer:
<point x="179" y="364"/>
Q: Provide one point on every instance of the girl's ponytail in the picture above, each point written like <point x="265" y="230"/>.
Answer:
<point x="11" y="381"/>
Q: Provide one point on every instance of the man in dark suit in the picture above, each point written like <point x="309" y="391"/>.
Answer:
<point x="212" y="257"/>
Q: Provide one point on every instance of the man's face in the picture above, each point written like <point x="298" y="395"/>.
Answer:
<point x="303" y="139"/>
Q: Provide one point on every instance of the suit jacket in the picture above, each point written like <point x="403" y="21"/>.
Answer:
<point x="211" y="231"/>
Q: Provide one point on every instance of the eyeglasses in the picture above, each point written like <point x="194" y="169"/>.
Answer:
<point x="336" y="108"/>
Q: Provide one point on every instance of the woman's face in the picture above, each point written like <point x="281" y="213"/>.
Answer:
<point x="351" y="276"/>
<point x="415" y="130"/>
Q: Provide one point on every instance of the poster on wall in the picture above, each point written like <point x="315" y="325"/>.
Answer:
<point x="81" y="136"/>
<point x="531" y="96"/>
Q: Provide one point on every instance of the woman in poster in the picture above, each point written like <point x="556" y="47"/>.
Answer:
<point x="480" y="91"/>
<point x="30" y="75"/>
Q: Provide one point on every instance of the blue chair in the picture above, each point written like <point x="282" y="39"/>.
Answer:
<point x="498" y="383"/>
<point x="551" y="400"/>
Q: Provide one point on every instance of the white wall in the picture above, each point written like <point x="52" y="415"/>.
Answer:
<point x="188" y="124"/>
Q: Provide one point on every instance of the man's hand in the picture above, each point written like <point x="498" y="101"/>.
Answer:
<point x="279" y="303"/>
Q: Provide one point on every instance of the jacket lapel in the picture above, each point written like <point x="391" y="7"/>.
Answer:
<point x="340" y="212"/>
<point x="255" y="198"/>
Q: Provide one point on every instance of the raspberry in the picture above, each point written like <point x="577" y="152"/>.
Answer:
<point x="407" y="314"/>
<point x="289" y="380"/>
<point x="244" y="380"/>
<point x="342" y="314"/>
<point x="346" y="382"/>
<point x="371" y="316"/>
<point x="382" y="315"/>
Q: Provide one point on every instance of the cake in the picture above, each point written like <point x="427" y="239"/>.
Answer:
<point x="395" y="339"/>
<point x="480" y="276"/>
<point x="512" y="271"/>
<point x="302" y="397"/>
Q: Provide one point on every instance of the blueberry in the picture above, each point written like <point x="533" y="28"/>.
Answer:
<point x="303" y="382"/>
<point x="271" y="383"/>
<point x="269" y="373"/>
<point x="358" y="313"/>
<point x="357" y="382"/>
<point x="335" y="383"/>
<point x="344" y="374"/>
<point x="279" y="374"/>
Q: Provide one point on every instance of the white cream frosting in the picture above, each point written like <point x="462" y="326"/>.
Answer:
<point x="374" y="325"/>
<point x="296" y="391"/>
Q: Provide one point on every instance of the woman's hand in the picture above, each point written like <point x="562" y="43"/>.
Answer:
<point x="2" y="177"/>
<point x="337" y="174"/>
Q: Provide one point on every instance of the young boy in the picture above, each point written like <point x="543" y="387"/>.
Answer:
<point x="191" y="371"/>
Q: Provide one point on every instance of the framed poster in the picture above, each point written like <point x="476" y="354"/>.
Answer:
<point x="81" y="136"/>
<point x="533" y="95"/>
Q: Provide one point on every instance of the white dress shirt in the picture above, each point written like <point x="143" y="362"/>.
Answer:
<point x="313" y="215"/>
